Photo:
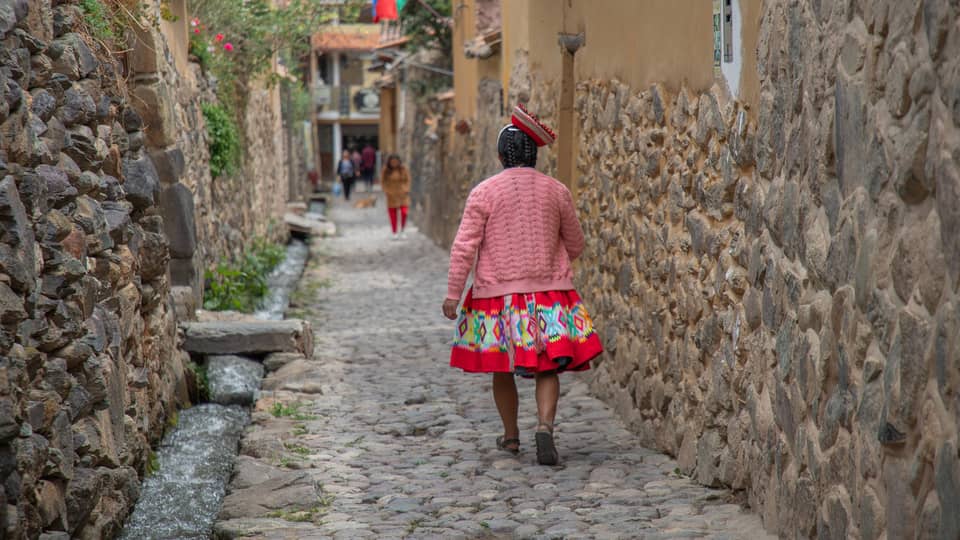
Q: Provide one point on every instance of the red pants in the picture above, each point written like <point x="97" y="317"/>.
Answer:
<point x="393" y="217"/>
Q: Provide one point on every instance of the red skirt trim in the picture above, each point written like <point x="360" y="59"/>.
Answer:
<point x="543" y="331"/>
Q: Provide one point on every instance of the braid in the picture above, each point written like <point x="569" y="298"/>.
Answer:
<point x="517" y="149"/>
<point x="529" y="151"/>
<point x="512" y="151"/>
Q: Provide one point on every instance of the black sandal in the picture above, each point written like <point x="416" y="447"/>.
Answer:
<point x="506" y="444"/>
<point x="546" y="448"/>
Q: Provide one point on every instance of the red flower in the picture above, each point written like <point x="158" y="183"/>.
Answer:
<point x="194" y="22"/>
<point x="219" y="38"/>
<point x="228" y="47"/>
<point x="196" y="30"/>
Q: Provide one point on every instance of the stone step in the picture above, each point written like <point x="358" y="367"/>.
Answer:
<point x="304" y="225"/>
<point x="248" y="337"/>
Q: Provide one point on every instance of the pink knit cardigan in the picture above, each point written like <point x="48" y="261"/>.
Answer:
<point x="522" y="229"/>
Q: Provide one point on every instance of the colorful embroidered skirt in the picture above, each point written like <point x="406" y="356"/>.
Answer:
<point x="524" y="334"/>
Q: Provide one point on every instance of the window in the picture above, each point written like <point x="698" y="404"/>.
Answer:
<point x="728" y="31"/>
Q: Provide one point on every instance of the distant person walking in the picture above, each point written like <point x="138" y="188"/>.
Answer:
<point x="395" y="179"/>
<point x="368" y="164"/>
<point x="347" y="173"/>
<point x="357" y="160"/>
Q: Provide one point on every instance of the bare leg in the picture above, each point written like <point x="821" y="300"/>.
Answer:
<point x="548" y="393"/>
<point x="505" y="396"/>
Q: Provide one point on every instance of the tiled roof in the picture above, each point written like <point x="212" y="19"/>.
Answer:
<point x="347" y="37"/>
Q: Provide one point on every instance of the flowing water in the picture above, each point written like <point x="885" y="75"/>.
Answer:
<point x="282" y="281"/>
<point x="182" y="498"/>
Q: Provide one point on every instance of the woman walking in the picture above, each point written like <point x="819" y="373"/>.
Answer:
<point x="395" y="180"/>
<point x="347" y="173"/>
<point x="522" y="315"/>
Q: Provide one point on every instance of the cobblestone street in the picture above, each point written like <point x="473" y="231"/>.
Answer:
<point x="377" y="437"/>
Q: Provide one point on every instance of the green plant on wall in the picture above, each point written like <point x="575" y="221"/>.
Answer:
<point x="200" y="376"/>
<point x="224" y="140"/>
<point x="241" y="284"/>
<point x="200" y="51"/>
<point x="425" y="29"/>
<point x="109" y="21"/>
<point x="99" y="20"/>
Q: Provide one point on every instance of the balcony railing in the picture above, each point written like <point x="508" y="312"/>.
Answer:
<point x="346" y="100"/>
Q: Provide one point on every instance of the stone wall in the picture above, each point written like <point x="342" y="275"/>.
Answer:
<point x="107" y="213"/>
<point x="264" y="190"/>
<point x="445" y="163"/>
<point x="446" y="159"/>
<point x="90" y="372"/>
<point x="777" y="286"/>
<point x="208" y="219"/>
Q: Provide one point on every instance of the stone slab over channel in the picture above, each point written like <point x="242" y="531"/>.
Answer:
<point x="378" y="438"/>
<point x="245" y="337"/>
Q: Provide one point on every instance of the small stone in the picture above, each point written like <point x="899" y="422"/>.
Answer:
<point x="890" y="435"/>
<point x="85" y="148"/>
<point x="44" y="104"/>
<point x="78" y="107"/>
<point x="141" y="182"/>
<point x="59" y="190"/>
<point x="17" y="256"/>
<point x="234" y="380"/>
<point x="176" y="204"/>
<point x="131" y="120"/>
<point x="117" y="217"/>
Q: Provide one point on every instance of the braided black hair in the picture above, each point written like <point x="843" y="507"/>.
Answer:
<point x="516" y="148"/>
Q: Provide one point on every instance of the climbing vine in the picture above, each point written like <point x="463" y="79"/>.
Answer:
<point x="223" y="140"/>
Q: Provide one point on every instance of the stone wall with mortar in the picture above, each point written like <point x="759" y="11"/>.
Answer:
<point x="89" y="370"/>
<point x="776" y="283"/>
<point x="207" y="219"/>
<point x="446" y="162"/>
<point x="443" y="166"/>
<point x="264" y="189"/>
<point x="776" y="286"/>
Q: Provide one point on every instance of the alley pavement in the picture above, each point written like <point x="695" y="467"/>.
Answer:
<point x="377" y="437"/>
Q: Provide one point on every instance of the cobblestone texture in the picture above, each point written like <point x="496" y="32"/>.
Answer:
<point x="378" y="438"/>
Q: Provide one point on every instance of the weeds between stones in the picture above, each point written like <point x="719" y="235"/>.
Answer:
<point x="153" y="464"/>
<point x="298" y="449"/>
<point x="413" y="525"/>
<point x="280" y="410"/>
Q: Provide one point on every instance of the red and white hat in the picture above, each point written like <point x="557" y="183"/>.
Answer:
<point x="532" y="126"/>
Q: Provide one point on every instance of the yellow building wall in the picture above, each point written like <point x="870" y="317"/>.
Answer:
<point x="388" y="128"/>
<point x="637" y="42"/>
<point x="466" y="77"/>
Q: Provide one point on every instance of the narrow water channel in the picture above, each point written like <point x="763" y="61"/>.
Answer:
<point x="182" y="498"/>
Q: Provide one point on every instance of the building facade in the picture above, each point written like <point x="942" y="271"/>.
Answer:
<point x="346" y="104"/>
